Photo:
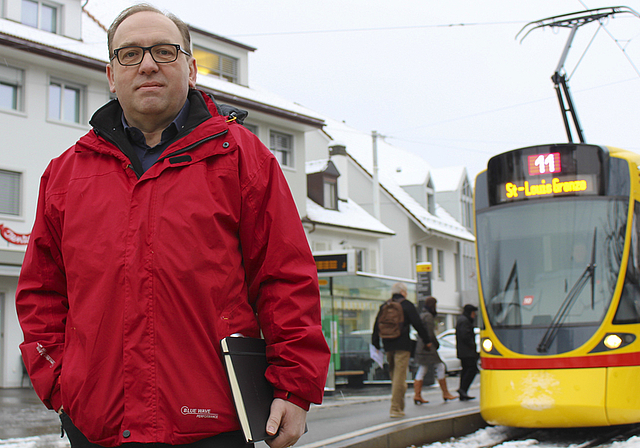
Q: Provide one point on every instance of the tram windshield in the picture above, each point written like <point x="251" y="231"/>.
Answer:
<point x="552" y="263"/>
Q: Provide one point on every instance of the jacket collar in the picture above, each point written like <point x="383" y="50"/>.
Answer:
<point x="107" y="124"/>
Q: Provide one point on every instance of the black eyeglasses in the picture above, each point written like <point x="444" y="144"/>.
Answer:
<point x="161" y="54"/>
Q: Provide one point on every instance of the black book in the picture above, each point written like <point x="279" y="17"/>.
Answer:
<point x="246" y="362"/>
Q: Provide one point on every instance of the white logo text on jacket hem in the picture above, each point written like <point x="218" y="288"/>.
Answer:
<point x="197" y="412"/>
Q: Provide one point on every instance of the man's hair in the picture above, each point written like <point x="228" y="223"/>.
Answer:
<point x="182" y="27"/>
<point x="399" y="288"/>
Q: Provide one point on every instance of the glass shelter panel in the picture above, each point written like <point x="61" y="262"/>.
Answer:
<point x="350" y="305"/>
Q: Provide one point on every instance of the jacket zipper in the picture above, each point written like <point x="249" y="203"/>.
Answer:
<point x="193" y="145"/>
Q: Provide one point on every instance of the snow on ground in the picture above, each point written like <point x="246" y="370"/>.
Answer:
<point x="482" y="438"/>
<point x="46" y="441"/>
<point x="491" y="435"/>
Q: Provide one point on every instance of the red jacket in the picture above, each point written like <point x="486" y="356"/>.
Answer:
<point x="128" y="283"/>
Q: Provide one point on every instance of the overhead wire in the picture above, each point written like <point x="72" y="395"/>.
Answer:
<point x="601" y="25"/>
<point x="617" y="42"/>
<point x="584" y="53"/>
<point x="450" y="25"/>
<point x="389" y="28"/>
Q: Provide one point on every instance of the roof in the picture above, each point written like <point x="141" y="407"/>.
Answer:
<point x="316" y="166"/>
<point x="349" y="216"/>
<point x="448" y="179"/>
<point x="359" y="147"/>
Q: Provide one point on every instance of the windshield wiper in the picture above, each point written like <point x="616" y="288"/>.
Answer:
<point x="589" y="272"/>
<point x="513" y="278"/>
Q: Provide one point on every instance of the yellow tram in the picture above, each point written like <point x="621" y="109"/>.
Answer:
<point x="558" y="253"/>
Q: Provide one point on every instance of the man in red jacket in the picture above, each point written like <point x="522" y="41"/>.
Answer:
<point x="163" y="230"/>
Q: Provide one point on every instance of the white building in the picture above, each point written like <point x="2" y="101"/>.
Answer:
<point x="455" y="195"/>
<point x="423" y="230"/>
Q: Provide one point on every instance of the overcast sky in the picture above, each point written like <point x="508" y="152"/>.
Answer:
<point x="447" y="80"/>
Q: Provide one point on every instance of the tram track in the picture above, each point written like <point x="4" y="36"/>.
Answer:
<point x="621" y="433"/>
<point x="575" y="437"/>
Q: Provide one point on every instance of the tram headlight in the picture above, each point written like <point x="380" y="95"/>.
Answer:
<point x="613" y="341"/>
<point x="487" y="345"/>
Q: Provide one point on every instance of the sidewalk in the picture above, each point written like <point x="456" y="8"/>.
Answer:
<point x="27" y="423"/>
<point x="23" y="415"/>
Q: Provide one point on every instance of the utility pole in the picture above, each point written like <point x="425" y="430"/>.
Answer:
<point x="376" y="181"/>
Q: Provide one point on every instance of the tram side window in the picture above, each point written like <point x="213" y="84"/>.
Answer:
<point x="628" y="311"/>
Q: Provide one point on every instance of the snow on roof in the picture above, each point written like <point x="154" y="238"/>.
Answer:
<point x="448" y="179"/>
<point x="349" y="215"/>
<point x="359" y="146"/>
<point x="92" y="49"/>
<point x="390" y="158"/>
<point x="442" y="222"/>
<point x="404" y="167"/>
<point x="316" y="166"/>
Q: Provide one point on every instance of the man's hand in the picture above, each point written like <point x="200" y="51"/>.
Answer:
<point x="286" y="419"/>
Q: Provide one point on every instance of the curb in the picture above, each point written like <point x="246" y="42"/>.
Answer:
<point x="414" y="432"/>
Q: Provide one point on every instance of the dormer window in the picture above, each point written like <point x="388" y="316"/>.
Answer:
<point x="431" y="198"/>
<point x="41" y="15"/>
<point x="322" y="183"/>
<point x="467" y="204"/>
<point x="216" y="64"/>
<point x="330" y="195"/>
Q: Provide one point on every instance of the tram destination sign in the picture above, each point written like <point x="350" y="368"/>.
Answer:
<point x="556" y="186"/>
<point x="546" y="171"/>
<point x="331" y="264"/>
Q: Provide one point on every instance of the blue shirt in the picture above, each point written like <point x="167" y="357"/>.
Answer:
<point x="148" y="155"/>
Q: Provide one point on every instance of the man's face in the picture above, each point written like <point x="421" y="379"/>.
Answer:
<point x="151" y="94"/>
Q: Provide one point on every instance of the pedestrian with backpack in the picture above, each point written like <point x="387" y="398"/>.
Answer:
<point x="392" y="325"/>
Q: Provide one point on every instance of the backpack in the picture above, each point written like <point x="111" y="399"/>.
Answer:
<point x="390" y="319"/>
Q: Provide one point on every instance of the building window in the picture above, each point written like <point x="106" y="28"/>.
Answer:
<point x="216" y="64"/>
<point x="330" y="194"/>
<point x="40" y="15"/>
<point x="431" y="198"/>
<point x="65" y="102"/>
<point x="419" y="253"/>
<point x="11" y="86"/>
<point x="440" y="265"/>
<point x="458" y="269"/>
<point x="430" y="255"/>
<point x="281" y="145"/>
<point x="467" y="205"/>
<point x="10" y="195"/>
<point x="361" y="260"/>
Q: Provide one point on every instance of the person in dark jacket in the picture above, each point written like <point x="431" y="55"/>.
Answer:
<point x="427" y="357"/>
<point x="399" y="349"/>
<point x="466" y="349"/>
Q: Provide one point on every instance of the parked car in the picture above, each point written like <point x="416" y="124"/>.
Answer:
<point x="447" y="350"/>
<point x="354" y="351"/>
<point x="355" y="355"/>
